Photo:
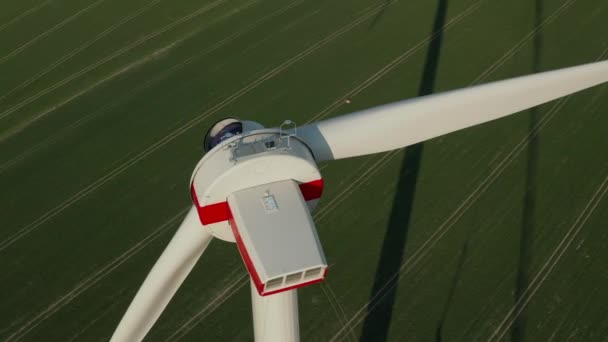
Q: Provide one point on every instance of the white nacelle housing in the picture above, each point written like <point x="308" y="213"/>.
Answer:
<point x="279" y="244"/>
<point x="276" y="237"/>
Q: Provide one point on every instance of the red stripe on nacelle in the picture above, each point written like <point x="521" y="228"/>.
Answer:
<point x="219" y="212"/>
<point x="245" y="255"/>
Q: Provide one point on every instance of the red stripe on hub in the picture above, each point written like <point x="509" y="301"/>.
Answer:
<point x="312" y="190"/>
<point x="212" y="213"/>
<point x="219" y="212"/>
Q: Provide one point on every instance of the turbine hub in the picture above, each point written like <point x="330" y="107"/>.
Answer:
<point x="245" y="161"/>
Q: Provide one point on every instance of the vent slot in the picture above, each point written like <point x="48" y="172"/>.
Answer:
<point x="274" y="283"/>
<point x="293" y="278"/>
<point x="313" y="273"/>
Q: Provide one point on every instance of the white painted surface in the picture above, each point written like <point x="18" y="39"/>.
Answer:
<point x="275" y="318"/>
<point x="217" y="175"/>
<point x="279" y="233"/>
<point x="164" y="279"/>
<point x="409" y="122"/>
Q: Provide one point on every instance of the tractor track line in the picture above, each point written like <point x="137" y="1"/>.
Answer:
<point x="106" y="270"/>
<point x="380" y="163"/>
<point x="551" y="262"/>
<point x="55" y="137"/>
<point x="337" y="308"/>
<point x="343" y="195"/>
<point x="151" y="56"/>
<point x="363" y="86"/>
<point x="468" y="202"/>
<point x="471" y="199"/>
<point x="205" y="312"/>
<point x="591" y="103"/>
<point x="232" y="36"/>
<point x="29" y="121"/>
<point x="91" y="323"/>
<point x="210" y="308"/>
<point x="586" y="213"/>
<point x="227" y="293"/>
<point x="74" y="52"/>
<point x="76" y="124"/>
<point x="120" y="52"/>
<point x="24" y="14"/>
<point x="393" y="64"/>
<point x="65" y="130"/>
<point x="182" y="129"/>
<point x="243" y="283"/>
<point x="462" y="208"/>
<point x="385" y="158"/>
<point x="51" y="30"/>
<point x="190" y="324"/>
<point x="517" y="47"/>
<point x="366" y="175"/>
<point x="94" y="278"/>
<point x="91" y="280"/>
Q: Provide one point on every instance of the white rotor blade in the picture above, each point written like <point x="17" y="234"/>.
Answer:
<point x="411" y="121"/>
<point x="164" y="279"/>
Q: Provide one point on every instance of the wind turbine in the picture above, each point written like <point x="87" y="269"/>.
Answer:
<point x="257" y="187"/>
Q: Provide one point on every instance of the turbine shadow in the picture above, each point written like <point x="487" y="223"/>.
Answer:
<point x="448" y="301"/>
<point x="382" y="297"/>
<point x="529" y="199"/>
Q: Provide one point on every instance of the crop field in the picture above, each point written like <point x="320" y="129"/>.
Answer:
<point x="494" y="233"/>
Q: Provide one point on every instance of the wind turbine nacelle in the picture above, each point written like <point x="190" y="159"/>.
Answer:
<point x="257" y="188"/>
<point x="276" y="237"/>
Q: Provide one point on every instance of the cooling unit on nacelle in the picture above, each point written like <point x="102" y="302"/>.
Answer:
<point x="276" y="237"/>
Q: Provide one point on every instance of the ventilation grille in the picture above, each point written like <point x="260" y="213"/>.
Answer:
<point x="274" y="284"/>
<point x="314" y="273"/>
<point x="293" y="279"/>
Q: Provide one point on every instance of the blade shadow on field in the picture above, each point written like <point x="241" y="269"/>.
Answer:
<point x="450" y="297"/>
<point x="529" y="198"/>
<point x="382" y="297"/>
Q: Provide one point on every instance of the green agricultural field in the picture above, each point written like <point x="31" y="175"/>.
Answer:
<point x="494" y="233"/>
